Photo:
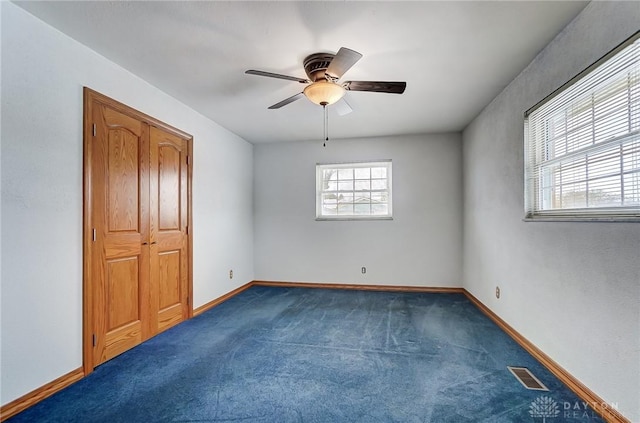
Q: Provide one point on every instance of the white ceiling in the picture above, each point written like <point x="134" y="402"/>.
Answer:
<point x="455" y="56"/>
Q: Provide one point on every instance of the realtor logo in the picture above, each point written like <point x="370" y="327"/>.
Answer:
<point x="544" y="407"/>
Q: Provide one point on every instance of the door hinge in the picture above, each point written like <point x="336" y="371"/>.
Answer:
<point x="188" y="160"/>
<point x="188" y="301"/>
<point x="186" y="229"/>
<point x="94" y="340"/>
<point x="94" y="129"/>
<point x="93" y="235"/>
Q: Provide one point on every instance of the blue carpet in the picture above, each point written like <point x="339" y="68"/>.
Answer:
<point x="317" y="355"/>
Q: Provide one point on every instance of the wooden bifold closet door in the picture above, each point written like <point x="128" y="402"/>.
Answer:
<point x="137" y="249"/>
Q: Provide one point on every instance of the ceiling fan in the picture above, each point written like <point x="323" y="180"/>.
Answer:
<point x="324" y="70"/>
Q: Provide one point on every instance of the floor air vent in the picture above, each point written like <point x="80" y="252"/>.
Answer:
<point x="527" y="378"/>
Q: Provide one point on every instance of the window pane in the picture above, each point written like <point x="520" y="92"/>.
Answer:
<point x="345" y="209"/>
<point x="345" y="185"/>
<point x="362" y="209"/>
<point x="345" y="198"/>
<point x="580" y="135"/>
<point x="362" y="197"/>
<point x="329" y="174"/>
<point x="329" y="198"/>
<point x="363" y="173"/>
<point x="611" y="112"/>
<point x="379" y="197"/>
<point x="605" y="192"/>
<point x="570" y="173"/>
<point x="632" y="189"/>
<point x="380" y="209"/>
<point x="379" y="172"/>
<point x="330" y="186"/>
<point x="329" y="177"/>
<point x="631" y="158"/>
<point x="345" y="174"/>
<point x="574" y="196"/>
<point x="378" y="184"/>
<point x="604" y="163"/>
<point x="363" y="185"/>
<point x="330" y="210"/>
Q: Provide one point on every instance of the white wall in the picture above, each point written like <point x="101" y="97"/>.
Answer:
<point x="43" y="72"/>
<point x="572" y="288"/>
<point x="420" y="246"/>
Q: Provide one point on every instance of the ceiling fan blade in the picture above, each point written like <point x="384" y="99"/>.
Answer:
<point x="287" y="101"/>
<point x="277" y="75"/>
<point x="342" y="107"/>
<point x="376" y="86"/>
<point x="342" y="62"/>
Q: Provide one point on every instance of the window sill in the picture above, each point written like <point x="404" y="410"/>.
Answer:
<point x="601" y="219"/>
<point x="363" y="218"/>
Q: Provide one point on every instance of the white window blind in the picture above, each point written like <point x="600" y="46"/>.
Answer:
<point x="354" y="190"/>
<point x="582" y="145"/>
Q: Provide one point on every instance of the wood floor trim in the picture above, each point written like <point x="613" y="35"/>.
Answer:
<point x="357" y="287"/>
<point x="20" y="404"/>
<point x="211" y="304"/>
<point x="585" y="394"/>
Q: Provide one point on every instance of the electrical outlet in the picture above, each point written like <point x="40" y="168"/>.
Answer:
<point x="497" y="292"/>
<point x="364" y="270"/>
<point x="230" y="274"/>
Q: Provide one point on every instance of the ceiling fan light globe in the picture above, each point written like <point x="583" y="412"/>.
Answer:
<point x="324" y="92"/>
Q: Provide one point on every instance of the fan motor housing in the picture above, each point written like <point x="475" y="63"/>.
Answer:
<point x="316" y="64"/>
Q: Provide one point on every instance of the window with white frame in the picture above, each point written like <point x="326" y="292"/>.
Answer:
<point x="582" y="144"/>
<point x="354" y="190"/>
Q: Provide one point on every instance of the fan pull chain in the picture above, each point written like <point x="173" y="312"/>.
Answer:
<point x="326" y="125"/>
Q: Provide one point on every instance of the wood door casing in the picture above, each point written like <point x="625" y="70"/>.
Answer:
<point x="169" y="213"/>
<point x="137" y="277"/>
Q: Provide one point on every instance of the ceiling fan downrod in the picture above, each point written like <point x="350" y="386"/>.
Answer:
<point x="326" y="124"/>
